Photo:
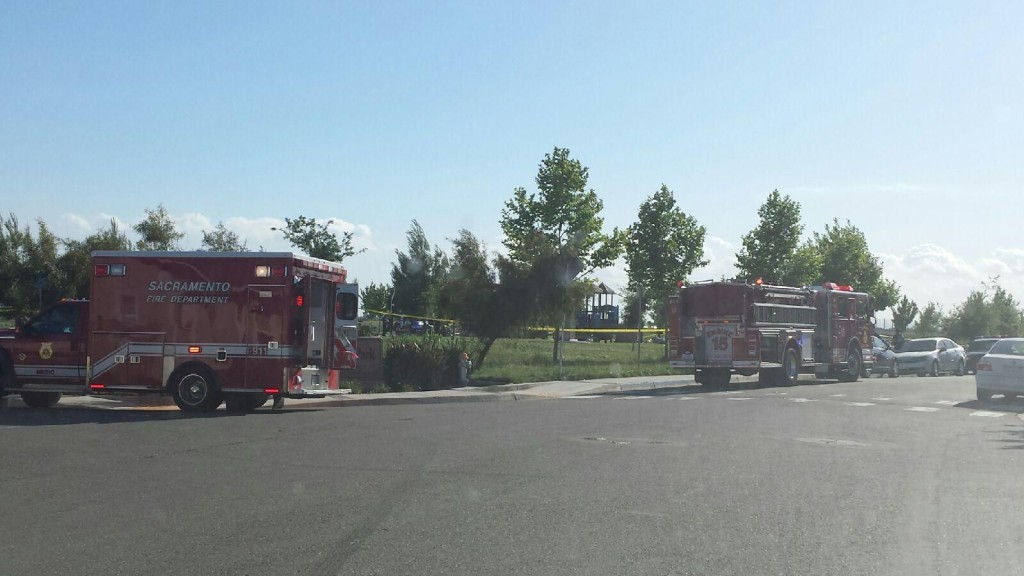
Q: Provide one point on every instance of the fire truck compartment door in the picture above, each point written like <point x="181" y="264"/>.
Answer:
<point x="718" y="343"/>
<point x="265" y="336"/>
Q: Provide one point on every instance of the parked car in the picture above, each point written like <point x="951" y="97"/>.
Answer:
<point x="1001" y="370"/>
<point x="976" y="349"/>
<point x="885" y="358"/>
<point x="932" y="356"/>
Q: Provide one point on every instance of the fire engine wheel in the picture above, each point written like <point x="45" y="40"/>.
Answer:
<point x="790" y="371"/>
<point x="40" y="399"/>
<point x="194" y="389"/>
<point x="715" y="379"/>
<point x="853" y="367"/>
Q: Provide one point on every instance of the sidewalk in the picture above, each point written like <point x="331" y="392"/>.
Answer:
<point x="523" y="391"/>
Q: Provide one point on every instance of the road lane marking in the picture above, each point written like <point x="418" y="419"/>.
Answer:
<point x="584" y="397"/>
<point x="838" y="395"/>
<point x="728" y="392"/>
<point x="883" y="399"/>
<point x="633" y="397"/>
<point x="802" y="400"/>
<point x="739" y="398"/>
<point x="987" y="414"/>
<point x="947" y="402"/>
<point x="859" y="404"/>
<point x="921" y="409"/>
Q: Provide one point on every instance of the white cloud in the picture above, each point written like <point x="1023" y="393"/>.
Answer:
<point x="721" y="257"/>
<point x="931" y="273"/>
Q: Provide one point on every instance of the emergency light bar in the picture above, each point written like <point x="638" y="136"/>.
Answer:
<point x="109" y="270"/>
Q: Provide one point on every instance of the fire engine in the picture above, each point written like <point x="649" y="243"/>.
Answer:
<point x="777" y="332"/>
<point x="204" y="327"/>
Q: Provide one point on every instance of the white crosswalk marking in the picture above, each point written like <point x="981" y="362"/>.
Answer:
<point x="584" y="397"/>
<point x="859" y="404"/>
<point x="947" y="402"/>
<point x="633" y="397"/>
<point x="987" y="414"/>
<point x="738" y="398"/>
<point x="802" y="400"/>
<point x="882" y="399"/>
<point x="921" y="409"/>
<point x="838" y="395"/>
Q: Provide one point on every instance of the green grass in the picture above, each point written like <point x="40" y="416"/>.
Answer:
<point x="526" y="360"/>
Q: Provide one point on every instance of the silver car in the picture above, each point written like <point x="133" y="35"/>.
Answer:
<point x="1001" y="371"/>
<point x="931" y="356"/>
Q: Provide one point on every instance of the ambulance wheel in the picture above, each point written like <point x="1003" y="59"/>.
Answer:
<point x="40" y="399"/>
<point x="6" y="374"/>
<point x="245" y="402"/>
<point x="195" y="389"/>
<point x="790" y="371"/>
<point x="853" y="367"/>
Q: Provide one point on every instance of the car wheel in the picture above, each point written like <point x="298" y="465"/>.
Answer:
<point x="960" y="368"/>
<point x="935" y="369"/>
<point x="40" y="399"/>
<point x="984" y="395"/>
<point x="894" y="370"/>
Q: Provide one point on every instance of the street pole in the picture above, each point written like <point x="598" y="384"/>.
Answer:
<point x="639" y="325"/>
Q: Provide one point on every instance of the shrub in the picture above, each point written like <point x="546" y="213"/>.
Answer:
<point x="428" y="362"/>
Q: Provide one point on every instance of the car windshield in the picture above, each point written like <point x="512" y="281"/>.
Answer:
<point x="982" y="345"/>
<point x="926" y="345"/>
<point x="1009" y="347"/>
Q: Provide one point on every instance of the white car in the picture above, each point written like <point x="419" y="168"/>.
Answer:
<point x="1001" y="371"/>
<point x="930" y="356"/>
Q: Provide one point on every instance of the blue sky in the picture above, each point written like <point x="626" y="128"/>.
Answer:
<point x="904" y="118"/>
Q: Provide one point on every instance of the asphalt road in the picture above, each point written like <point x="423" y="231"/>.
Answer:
<point x="905" y="476"/>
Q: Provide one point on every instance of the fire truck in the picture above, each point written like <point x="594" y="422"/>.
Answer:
<point x="777" y="332"/>
<point x="203" y="327"/>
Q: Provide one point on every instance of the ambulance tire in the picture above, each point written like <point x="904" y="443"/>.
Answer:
<point x="195" y="389"/>
<point x="6" y="374"/>
<point x="853" y="367"/>
<point x="245" y="402"/>
<point x="40" y="399"/>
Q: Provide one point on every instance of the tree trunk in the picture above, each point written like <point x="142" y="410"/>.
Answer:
<point x="558" y="341"/>
<point x="488" y="342"/>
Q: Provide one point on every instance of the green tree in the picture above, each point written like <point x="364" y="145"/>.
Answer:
<point x="770" y="251"/>
<point x="663" y="247"/>
<point x="930" y="321"/>
<point x="316" y="240"/>
<point x="375" y="297"/>
<point x="76" y="260"/>
<point x="556" y="234"/>
<point x="470" y="294"/>
<point x="416" y="275"/>
<point x="971" y="318"/>
<point x="29" y="273"/>
<point x="1007" y="317"/>
<point x="903" y="313"/>
<point x="846" y="259"/>
<point x="220" y="239"/>
<point x="158" y="231"/>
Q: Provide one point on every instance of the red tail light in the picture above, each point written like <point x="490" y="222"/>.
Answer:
<point x="97" y="386"/>
<point x="271" y="390"/>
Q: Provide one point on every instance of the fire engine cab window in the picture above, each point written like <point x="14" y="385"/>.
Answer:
<point x="347" y="306"/>
<point x="862" y="309"/>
